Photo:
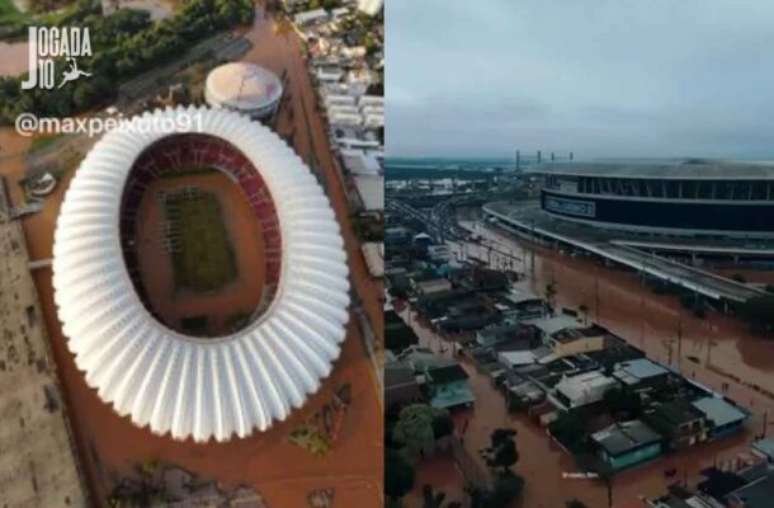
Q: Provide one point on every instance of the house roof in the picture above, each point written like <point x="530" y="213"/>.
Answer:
<point x="757" y="494"/>
<point x="447" y="374"/>
<point x="634" y="371"/>
<point x="551" y="325"/>
<point x="720" y="411"/>
<point x="577" y="387"/>
<point x="516" y="357"/>
<point x="678" y="412"/>
<point x="622" y="437"/>
<point x="692" y="169"/>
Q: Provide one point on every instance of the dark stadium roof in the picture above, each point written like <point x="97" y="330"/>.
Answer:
<point x="693" y="169"/>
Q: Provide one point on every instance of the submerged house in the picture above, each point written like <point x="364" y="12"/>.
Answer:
<point x="681" y="423"/>
<point x="447" y="387"/>
<point x="627" y="444"/>
<point x="724" y="416"/>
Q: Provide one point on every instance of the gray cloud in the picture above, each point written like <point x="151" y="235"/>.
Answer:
<point x="604" y="78"/>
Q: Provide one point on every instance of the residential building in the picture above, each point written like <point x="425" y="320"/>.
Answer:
<point x="724" y="416"/>
<point x="583" y="389"/>
<point x="448" y="387"/>
<point x="574" y="341"/>
<point x="311" y="17"/>
<point x="641" y="374"/>
<point x="627" y="444"/>
<point x="400" y="384"/>
<point x="679" y="422"/>
<point x="427" y="287"/>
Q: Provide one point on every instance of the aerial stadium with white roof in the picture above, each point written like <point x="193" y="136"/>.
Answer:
<point x="693" y="197"/>
<point x="244" y="87"/>
<point x="194" y="385"/>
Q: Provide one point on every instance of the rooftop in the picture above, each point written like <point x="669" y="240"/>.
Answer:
<point x="634" y="371"/>
<point x="699" y="169"/>
<point x="625" y="436"/>
<point x="720" y="411"/>
<point x="757" y="494"/>
<point x="551" y="325"/>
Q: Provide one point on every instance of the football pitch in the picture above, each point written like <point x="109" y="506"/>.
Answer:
<point x="202" y="255"/>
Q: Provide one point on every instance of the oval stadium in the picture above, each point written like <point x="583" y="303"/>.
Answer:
<point x="228" y="224"/>
<point x="692" y="197"/>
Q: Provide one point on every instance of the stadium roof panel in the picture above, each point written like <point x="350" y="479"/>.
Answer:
<point x="694" y="169"/>
<point x="188" y="386"/>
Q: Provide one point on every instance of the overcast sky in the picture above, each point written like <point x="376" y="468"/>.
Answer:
<point x="604" y="78"/>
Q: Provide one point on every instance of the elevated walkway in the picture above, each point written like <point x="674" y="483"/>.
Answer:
<point x="531" y="220"/>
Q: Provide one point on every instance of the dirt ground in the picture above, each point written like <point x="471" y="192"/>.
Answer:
<point x="241" y="295"/>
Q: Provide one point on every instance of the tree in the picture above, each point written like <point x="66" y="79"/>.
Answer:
<point x="415" y="428"/>
<point x="398" y="475"/>
<point x="502" y="453"/>
<point x="551" y="294"/>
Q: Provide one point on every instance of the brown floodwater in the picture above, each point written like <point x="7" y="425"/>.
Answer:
<point x="13" y="58"/>
<point x="542" y="462"/>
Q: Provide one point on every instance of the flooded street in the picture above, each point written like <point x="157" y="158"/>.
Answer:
<point x="713" y="351"/>
<point x="619" y="300"/>
<point x="542" y="462"/>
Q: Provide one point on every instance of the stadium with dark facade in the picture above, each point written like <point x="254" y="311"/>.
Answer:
<point x="695" y="197"/>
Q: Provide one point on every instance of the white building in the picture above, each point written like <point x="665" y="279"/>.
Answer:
<point x="371" y="100"/>
<point x="370" y="7"/>
<point x="345" y="119"/>
<point x="245" y="88"/>
<point x="311" y="17"/>
<point x="584" y="389"/>
<point x="339" y="100"/>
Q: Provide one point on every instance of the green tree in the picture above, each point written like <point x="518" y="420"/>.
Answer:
<point x="502" y="452"/>
<point x="414" y="429"/>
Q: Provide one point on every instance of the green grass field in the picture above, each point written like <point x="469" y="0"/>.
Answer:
<point x="204" y="259"/>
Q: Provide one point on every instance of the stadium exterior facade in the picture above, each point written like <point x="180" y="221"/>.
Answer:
<point x="195" y="387"/>
<point x="688" y="198"/>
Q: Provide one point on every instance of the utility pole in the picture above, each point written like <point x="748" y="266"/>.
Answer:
<point x="679" y="341"/>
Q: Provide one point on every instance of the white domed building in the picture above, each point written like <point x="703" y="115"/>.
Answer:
<point x="244" y="87"/>
<point x="187" y="386"/>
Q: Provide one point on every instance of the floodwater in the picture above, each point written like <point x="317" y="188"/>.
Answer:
<point x="111" y="446"/>
<point x="655" y="323"/>
<point x="542" y="462"/>
<point x="13" y="58"/>
<point x="716" y="351"/>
